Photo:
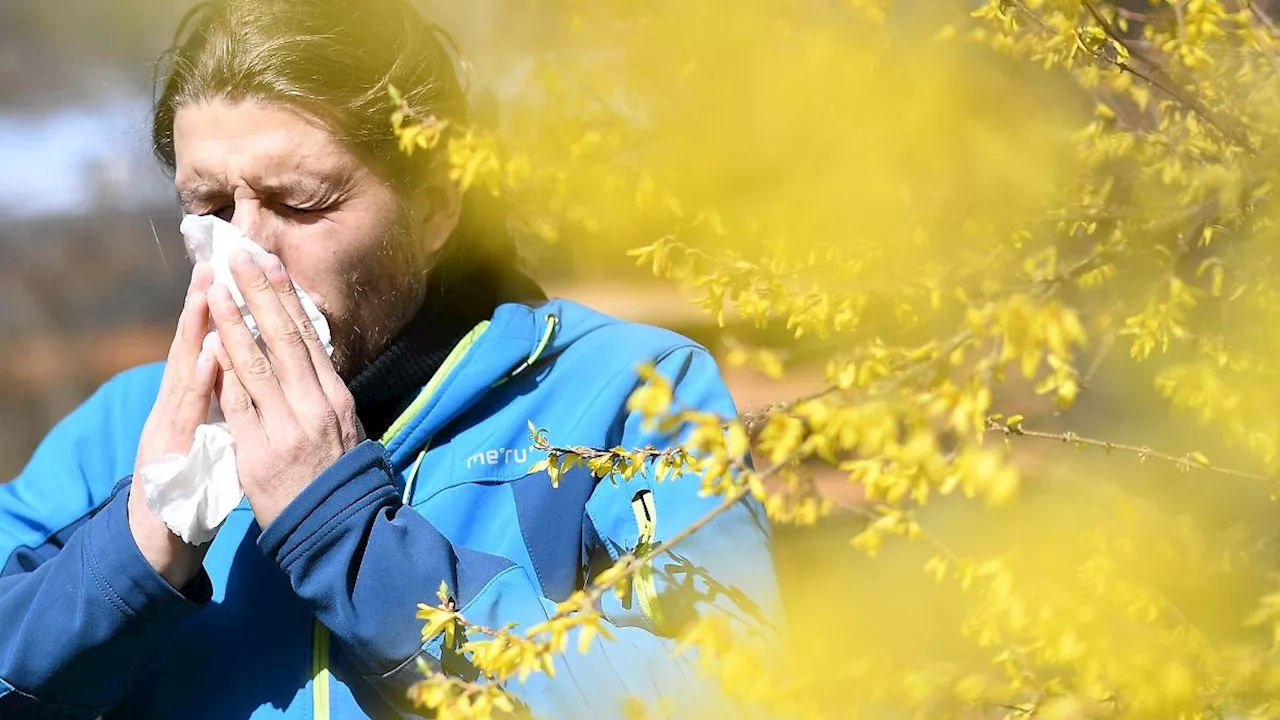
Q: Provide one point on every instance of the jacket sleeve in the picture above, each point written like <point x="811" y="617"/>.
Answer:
<point x="80" y="607"/>
<point x="351" y="549"/>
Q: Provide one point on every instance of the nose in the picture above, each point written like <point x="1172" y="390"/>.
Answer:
<point x="251" y="218"/>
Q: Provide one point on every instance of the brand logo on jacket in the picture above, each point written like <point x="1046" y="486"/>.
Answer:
<point x="500" y="456"/>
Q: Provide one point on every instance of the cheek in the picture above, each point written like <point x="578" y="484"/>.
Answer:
<point x="326" y="259"/>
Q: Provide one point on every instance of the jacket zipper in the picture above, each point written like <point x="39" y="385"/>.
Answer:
<point x="320" y="634"/>
<point x="320" y="671"/>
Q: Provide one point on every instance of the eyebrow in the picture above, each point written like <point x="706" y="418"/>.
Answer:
<point x="288" y="186"/>
<point x="195" y="195"/>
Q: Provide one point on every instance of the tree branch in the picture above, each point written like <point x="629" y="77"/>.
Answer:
<point x="1190" y="461"/>
<point x="1166" y="83"/>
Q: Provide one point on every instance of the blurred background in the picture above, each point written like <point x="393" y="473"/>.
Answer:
<point x="92" y="267"/>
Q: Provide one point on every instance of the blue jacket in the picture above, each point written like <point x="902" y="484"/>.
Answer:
<point x="315" y="617"/>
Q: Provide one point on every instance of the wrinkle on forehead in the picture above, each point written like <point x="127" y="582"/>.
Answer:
<point x="256" y="145"/>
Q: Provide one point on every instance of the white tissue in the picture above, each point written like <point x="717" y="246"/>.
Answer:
<point x="212" y="240"/>
<point x="194" y="493"/>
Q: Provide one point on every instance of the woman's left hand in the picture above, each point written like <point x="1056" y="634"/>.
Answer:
<point x="290" y="413"/>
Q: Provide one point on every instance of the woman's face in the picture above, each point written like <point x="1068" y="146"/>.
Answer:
<point x="344" y="235"/>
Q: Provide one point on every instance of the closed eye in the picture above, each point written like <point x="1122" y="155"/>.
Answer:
<point x="302" y="209"/>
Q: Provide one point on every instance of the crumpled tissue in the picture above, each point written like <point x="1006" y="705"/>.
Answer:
<point x="194" y="493"/>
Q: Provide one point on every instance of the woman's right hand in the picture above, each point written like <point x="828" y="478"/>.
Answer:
<point x="180" y="407"/>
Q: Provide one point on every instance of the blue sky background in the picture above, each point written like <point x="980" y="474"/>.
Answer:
<point x="73" y="159"/>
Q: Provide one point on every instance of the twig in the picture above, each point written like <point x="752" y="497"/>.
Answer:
<point x="903" y="374"/>
<point x="464" y="687"/>
<point x="1128" y="14"/>
<point x="1261" y="14"/>
<point x="1169" y="88"/>
<point x="636" y="562"/>
<point x="1166" y="83"/>
<point x="1186" y="462"/>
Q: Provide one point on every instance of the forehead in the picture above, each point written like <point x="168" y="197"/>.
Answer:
<point x="248" y="141"/>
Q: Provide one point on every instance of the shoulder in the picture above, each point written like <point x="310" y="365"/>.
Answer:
<point x="615" y="343"/>
<point x="129" y="395"/>
<point x="108" y="424"/>
<point x="80" y="460"/>
<point x="143" y="378"/>
<point x="595" y="365"/>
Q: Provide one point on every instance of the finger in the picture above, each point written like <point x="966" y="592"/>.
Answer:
<point x="286" y="346"/>
<point x="193" y="322"/>
<point x="340" y="407"/>
<point x="202" y="277"/>
<point x="175" y="345"/>
<point x="246" y="359"/>
<point x="193" y="407"/>
<point x="321" y="364"/>
<point x="192" y="327"/>
<point x="237" y="406"/>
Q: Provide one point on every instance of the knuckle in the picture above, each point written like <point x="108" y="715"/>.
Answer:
<point x="257" y="282"/>
<point x="259" y="367"/>
<point x="192" y="396"/>
<point x="344" y="404"/>
<point x="307" y="331"/>
<point x="344" y="410"/>
<point x="293" y="440"/>
<point x="288" y="333"/>
<point x="171" y="384"/>
<point x="329" y="422"/>
<point x="240" y="404"/>
<point x="176" y="425"/>
<point x="172" y="396"/>
<point x="353" y="435"/>
<point x="349" y="427"/>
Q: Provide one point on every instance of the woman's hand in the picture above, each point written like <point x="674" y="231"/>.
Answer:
<point x="181" y="406"/>
<point x="289" y="411"/>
